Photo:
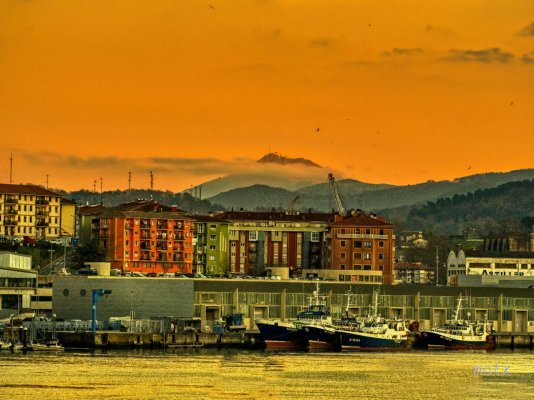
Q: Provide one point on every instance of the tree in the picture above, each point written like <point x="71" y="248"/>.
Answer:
<point x="88" y="252"/>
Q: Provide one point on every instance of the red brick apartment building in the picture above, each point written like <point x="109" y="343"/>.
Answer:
<point x="260" y="240"/>
<point x="361" y="248"/>
<point x="358" y="247"/>
<point x="145" y="237"/>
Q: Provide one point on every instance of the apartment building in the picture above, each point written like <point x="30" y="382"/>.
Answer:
<point x="360" y="247"/>
<point x="145" y="237"/>
<point x="32" y="211"/>
<point x="260" y="240"/>
<point x="210" y="245"/>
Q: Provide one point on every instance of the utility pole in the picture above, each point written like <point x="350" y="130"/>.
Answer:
<point x="437" y="264"/>
<point x="129" y="185"/>
<point x="51" y="259"/>
<point x="11" y="169"/>
<point x="151" y="185"/>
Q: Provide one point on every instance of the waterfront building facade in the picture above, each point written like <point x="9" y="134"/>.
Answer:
<point x="260" y="240"/>
<point x="209" y="300"/>
<point x="31" y="211"/>
<point x="360" y="248"/>
<point x="210" y="245"/>
<point x="18" y="283"/>
<point x="455" y="266"/>
<point x="145" y="237"/>
<point x="414" y="273"/>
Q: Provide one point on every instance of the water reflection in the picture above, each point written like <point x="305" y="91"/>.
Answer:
<point x="229" y="374"/>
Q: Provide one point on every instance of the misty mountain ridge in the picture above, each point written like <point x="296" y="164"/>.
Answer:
<point x="366" y="196"/>
<point x="276" y="158"/>
<point x="272" y="169"/>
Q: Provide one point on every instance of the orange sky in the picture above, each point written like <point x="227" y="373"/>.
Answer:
<point x="402" y="91"/>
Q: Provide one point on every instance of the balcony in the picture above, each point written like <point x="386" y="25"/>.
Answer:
<point x="8" y="222"/>
<point x="41" y="202"/>
<point x="11" y="211"/>
<point x="360" y="236"/>
<point x="144" y="226"/>
<point x="10" y="200"/>
<point x="178" y="235"/>
<point x="41" y="224"/>
<point x="41" y="213"/>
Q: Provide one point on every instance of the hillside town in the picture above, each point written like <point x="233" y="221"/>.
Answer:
<point x="90" y="246"/>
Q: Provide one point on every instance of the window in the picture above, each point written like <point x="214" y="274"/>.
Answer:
<point x="357" y="256"/>
<point x="342" y="256"/>
<point x="357" y="231"/>
<point x="380" y="256"/>
<point x="357" y="244"/>
<point x="212" y="247"/>
<point x="212" y="258"/>
<point x="368" y="244"/>
<point x="381" y="232"/>
<point x="367" y="267"/>
<point x="381" y="244"/>
<point x="127" y="243"/>
<point x="357" y="266"/>
<point x="253" y="235"/>
<point x="233" y="244"/>
<point x="315" y="236"/>
<point x="213" y="227"/>
<point x="367" y="256"/>
<point x="380" y="267"/>
<point x="368" y="231"/>
<point x="342" y="266"/>
<point x="342" y="243"/>
<point x="213" y="237"/>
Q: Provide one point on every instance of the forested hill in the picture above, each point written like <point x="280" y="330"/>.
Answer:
<point x="487" y="209"/>
<point x="183" y="201"/>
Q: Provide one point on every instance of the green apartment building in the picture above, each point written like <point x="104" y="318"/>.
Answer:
<point x="210" y="245"/>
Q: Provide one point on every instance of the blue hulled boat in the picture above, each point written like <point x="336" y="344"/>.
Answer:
<point x="456" y="334"/>
<point x="299" y="333"/>
<point x="373" y="333"/>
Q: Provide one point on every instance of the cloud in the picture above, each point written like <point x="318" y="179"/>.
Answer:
<point x="193" y="166"/>
<point x="322" y="42"/>
<point x="484" y="56"/>
<point x="528" y="58"/>
<point x="402" y="52"/>
<point x="432" y="29"/>
<point x="527" y="30"/>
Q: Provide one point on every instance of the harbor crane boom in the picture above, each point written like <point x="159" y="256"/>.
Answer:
<point x="291" y="206"/>
<point x="340" y="202"/>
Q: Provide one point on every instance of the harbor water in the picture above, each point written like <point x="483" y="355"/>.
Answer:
<point x="238" y="374"/>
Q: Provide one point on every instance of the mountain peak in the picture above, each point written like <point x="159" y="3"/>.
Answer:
<point x="276" y="158"/>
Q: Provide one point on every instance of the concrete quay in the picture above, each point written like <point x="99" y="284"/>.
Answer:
<point x="132" y="340"/>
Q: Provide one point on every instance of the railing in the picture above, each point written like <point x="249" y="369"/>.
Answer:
<point x="11" y="211"/>
<point x="10" y="200"/>
<point x="360" y="236"/>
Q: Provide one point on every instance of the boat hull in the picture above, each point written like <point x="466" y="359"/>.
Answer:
<point x="439" y="340"/>
<point x="321" y="337"/>
<point x="282" y="336"/>
<point x="361" y="341"/>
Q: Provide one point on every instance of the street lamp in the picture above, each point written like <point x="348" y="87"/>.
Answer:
<point x="96" y="294"/>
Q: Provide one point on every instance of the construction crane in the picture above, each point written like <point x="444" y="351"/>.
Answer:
<point x="289" y="209"/>
<point x="340" y="202"/>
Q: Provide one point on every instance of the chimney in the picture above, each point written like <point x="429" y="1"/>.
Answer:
<point x="174" y="208"/>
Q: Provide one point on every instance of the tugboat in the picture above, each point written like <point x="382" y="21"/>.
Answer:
<point x="375" y="333"/>
<point x="456" y="333"/>
<point x="298" y="334"/>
